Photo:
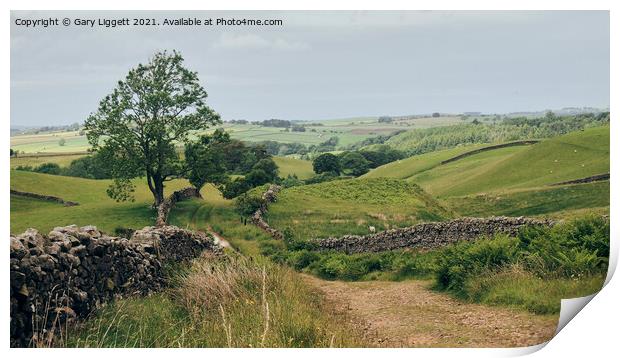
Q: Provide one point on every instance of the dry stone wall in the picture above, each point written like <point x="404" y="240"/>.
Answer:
<point x="593" y="178"/>
<point x="164" y="208"/>
<point x="491" y="147"/>
<point x="429" y="235"/>
<point x="269" y="196"/>
<point x="50" y="198"/>
<point x="66" y="274"/>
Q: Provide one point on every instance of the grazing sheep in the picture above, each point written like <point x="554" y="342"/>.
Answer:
<point x="372" y="229"/>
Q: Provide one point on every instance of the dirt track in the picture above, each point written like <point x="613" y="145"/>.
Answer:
<point x="409" y="314"/>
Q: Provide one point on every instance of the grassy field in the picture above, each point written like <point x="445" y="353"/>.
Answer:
<point x="350" y="206"/>
<point x="289" y="166"/>
<point x="50" y="142"/>
<point x="348" y="131"/>
<point x="34" y="160"/>
<point x="416" y="164"/>
<point x="255" y="286"/>
<point x="572" y="156"/>
<point x="535" y="202"/>
<point x="95" y="208"/>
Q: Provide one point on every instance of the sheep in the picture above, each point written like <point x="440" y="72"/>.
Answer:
<point x="372" y="229"/>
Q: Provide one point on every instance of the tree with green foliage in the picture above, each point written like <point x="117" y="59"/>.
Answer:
<point x="91" y="166"/>
<point x="235" y="187"/>
<point x="268" y="166"/>
<point x="62" y="142"/>
<point x="48" y="168"/>
<point x="205" y="159"/>
<point x="327" y="146"/>
<point x="246" y="205"/>
<point x="154" y="108"/>
<point x="291" y="181"/>
<point x="353" y="163"/>
<point x="381" y="154"/>
<point x="326" y="163"/>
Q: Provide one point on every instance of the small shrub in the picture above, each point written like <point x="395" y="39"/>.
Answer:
<point x="302" y="259"/>
<point x="456" y="263"/>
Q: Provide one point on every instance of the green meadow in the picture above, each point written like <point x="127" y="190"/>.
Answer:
<point x="95" y="208"/>
<point x="292" y="166"/>
<point x="416" y="164"/>
<point x="544" y="201"/>
<point x="351" y="206"/>
<point x="572" y="156"/>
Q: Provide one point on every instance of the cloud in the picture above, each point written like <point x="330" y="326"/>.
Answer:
<point x="253" y="42"/>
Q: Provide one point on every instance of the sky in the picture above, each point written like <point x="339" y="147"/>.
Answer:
<point x="322" y="65"/>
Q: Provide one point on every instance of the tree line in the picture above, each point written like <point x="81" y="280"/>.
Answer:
<point x="420" y="141"/>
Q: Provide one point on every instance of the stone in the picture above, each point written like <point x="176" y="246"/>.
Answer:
<point x="72" y="278"/>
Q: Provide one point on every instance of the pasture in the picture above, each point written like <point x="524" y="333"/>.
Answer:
<point x="351" y="206"/>
<point x="291" y="166"/>
<point x="349" y="131"/>
<point x="95" y="208"/>
<point x="408" y="167"/>
<point x="558" y="201"/>
<point x="34" y="160"/>
<point x="572" y="156"/>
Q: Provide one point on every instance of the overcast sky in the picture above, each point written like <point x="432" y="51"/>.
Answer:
<point x="322" y="65"/>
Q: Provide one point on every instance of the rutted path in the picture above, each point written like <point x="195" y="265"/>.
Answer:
<point x="409" y="314"/>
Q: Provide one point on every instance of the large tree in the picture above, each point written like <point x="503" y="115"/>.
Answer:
<point x="353" y="163"/>
<point x="151" y="111"/>
<point x="205" y="159"/>
<point x="326" y="163"/>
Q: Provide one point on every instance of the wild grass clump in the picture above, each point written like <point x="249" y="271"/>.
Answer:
<point x="459" y="262"/>
<point x="256" y="305"/>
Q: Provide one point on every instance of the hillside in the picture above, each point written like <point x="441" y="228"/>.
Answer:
<point x="95" y="208"/>
<point x="350" y="206"/>
<point x="562" y="201"/>
<point x="408" y="167"/>
<point x="572" y="156"/>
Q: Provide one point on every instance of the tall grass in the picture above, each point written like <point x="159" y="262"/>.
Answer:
<point x="232" y="302"/>
<point x="256" y="305"/>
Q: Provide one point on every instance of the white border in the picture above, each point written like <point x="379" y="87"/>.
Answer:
<point x="593" y="331"/>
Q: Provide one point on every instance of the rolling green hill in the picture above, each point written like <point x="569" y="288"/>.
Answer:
<point x="411" y="166"/>
<point x="95" y="208"/>
<point x="572" y="156"/>
<point x="350" y="206"/>
<point x="562" y="201"/>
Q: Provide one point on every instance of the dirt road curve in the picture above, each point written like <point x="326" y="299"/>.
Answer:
<point x="408" y="314"/>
